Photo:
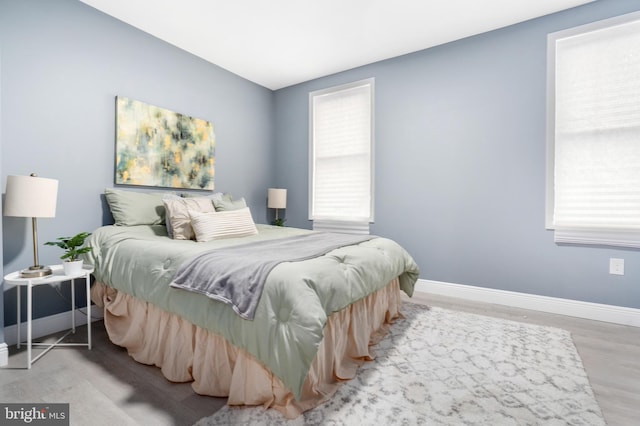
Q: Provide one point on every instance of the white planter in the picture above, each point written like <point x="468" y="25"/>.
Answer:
<point x="72" y="268"/>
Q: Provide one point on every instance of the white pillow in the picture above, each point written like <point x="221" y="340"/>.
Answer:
<point x="226" y="224"/>
<point x="167" y="221"/>
<point x="178" y="215"/>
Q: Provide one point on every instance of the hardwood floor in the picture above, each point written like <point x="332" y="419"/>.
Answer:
<point x="105" y="386"/>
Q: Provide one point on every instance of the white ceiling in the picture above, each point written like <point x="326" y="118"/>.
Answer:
<point x="278" y="43"/>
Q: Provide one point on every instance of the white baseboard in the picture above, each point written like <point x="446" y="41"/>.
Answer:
<point x="4" y="354"/>
<point x="48" y="325"/>
<point x="554" y="305"/>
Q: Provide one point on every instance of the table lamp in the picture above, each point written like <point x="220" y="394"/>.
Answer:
<point x="277" y="199"/>
<point x="34" y="197"/>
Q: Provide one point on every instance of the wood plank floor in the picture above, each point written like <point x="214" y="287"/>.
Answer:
<point x="105" y="386"/>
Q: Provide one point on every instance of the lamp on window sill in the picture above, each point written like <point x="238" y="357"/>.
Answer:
<point x="34" y="197"/>
<point x="277" y="199"/>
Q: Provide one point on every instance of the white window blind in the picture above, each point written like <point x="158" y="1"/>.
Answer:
<point x="341" y="140"/>
<point x="596" y="133"/>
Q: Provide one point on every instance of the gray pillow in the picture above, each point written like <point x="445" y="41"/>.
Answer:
<point x="212" y="197"/>
<point x="226" y="204"/>
<point x="136" y="208"/>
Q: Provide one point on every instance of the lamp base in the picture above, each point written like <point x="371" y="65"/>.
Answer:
<point x="36" y="271"/>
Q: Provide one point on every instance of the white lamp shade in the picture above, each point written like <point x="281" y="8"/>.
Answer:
<point x="30" y="196"/>
<point x="277" y="198"/>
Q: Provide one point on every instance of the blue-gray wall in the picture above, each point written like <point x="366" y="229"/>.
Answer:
<point x="63" y="63"/>
<point x="460" y="163"/>
<point x="460" y="143"/>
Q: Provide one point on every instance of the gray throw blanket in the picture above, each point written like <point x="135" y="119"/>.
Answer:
<point x="236" y="275"/>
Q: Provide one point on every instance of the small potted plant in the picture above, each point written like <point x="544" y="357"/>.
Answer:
<point x="278" y="222"/>
<point x="72" y="247"/>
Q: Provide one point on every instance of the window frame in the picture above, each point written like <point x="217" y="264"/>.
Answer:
<point x="552" y="39"/>
<point x="342" y="222"/>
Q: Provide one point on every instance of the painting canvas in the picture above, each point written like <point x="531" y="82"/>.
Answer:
<point x="158" y="147"/>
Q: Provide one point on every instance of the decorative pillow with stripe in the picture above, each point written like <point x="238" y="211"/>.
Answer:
<point x="225" y="224"/>
<point x="178" y="215"/>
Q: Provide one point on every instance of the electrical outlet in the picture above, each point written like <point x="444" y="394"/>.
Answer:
<point x="616" y="266"/>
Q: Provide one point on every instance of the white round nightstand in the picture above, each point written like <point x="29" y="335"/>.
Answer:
<point x="57" y="276"/>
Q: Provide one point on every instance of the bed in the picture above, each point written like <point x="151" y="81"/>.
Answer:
<point x="312" y="326"/>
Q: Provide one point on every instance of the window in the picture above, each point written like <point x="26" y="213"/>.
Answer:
<point x="341" y="160"/>
<point x="593" y="134"/>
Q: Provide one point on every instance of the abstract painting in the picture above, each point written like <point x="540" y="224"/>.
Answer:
<point x="158" y="147"/>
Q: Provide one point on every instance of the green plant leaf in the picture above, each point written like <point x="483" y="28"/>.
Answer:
<point x="70" y="245"/>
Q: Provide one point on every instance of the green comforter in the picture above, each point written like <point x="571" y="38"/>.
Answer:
<point x="293" y="309"/>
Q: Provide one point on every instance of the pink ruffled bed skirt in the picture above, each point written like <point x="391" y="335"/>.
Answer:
<point x="185" y="352"/>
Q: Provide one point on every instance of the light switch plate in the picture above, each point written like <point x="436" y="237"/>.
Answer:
<point x="616" y="266"/>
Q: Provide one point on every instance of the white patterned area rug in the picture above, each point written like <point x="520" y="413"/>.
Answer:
<point x="442" y="367"/>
